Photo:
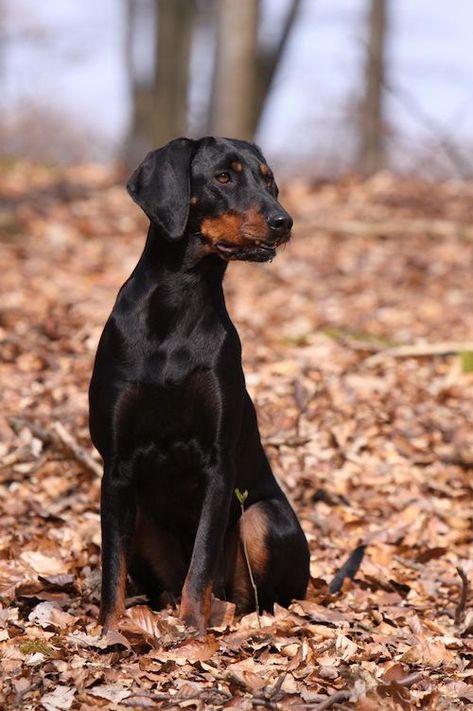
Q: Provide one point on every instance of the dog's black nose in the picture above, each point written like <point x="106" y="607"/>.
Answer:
<point x="280" y="221"/>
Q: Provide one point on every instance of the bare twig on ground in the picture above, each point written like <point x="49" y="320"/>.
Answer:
<point x="273" y="692"/>
<point x="344" y="695"/>
<point x="418" y="567"/>
<point x="410" y="679"/>
<point x="17" y="423"/>
<point x="337" y="698"/>
<point x="79" y="453"/>
<point x="366" y="346"/>
<point x="420" y="350"/>
<point x="302" y="399"/>
<point x="270" y="695"/>
<point x="59" y="438"/>
<point x="460" y="608"/>
<point x="290" y="442"/>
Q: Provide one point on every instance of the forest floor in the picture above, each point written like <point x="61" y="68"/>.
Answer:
<point x="373" y="446"/>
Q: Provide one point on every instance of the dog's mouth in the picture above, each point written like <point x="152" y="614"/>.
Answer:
<point x="254" y="251"/>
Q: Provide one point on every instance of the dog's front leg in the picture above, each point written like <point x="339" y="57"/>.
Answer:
<point x="118" y="514"/>
<point x="197" y="590"/>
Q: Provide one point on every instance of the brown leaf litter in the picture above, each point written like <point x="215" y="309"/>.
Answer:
<point x="376" y="456"/>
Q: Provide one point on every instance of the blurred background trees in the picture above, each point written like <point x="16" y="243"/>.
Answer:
<point x="325" y="85"/>
<point x="372" y="129"/>
<point x="159" y="101"/>
<point x="243" y="69"/>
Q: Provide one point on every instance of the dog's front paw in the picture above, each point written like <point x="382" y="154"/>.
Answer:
<point x="109" y="619"/>
<point x="195" y="609"/>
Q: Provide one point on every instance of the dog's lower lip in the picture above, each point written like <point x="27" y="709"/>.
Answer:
<point x="226" y="248"/>
<point x="272" y="245"/>
<point x="251" y="250"/>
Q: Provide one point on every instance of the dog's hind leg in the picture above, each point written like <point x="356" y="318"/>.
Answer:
<point x="277" y="554"/>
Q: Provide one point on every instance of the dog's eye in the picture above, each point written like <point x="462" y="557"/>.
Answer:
<point x="269" y="181"/>
<point x="223" y="177"/>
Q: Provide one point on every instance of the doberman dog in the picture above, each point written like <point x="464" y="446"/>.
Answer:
<point x="169" y="410"/>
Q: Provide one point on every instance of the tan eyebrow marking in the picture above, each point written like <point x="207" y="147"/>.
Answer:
<point x="194" y="200"/>
<point x="264" y="169"/>
<point x="236" y="166"/>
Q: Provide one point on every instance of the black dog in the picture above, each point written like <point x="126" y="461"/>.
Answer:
<point x="169" y="411"/>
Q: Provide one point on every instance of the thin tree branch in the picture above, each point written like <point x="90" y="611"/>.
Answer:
<point x="268" y="61"/>
<point x="443" y="138"/>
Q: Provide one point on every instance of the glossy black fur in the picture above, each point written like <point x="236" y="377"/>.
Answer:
<point x="169" y="411"/>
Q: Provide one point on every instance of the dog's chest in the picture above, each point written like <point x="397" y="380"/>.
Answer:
<point x="153" y="413"/>
<point x="169" y="481"/>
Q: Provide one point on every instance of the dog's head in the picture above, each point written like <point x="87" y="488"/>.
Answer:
<point x="218" y="190"/>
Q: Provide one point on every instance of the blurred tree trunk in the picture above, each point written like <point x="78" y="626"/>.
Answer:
<point x="242" y="77"/>
<point x="243" y="71"/>
<point x="233" y="90"/>
<point x="175" y="20"/>
<point x="138" y="138"/>
<point x="372" y="153"/>
<point x="159" y="103"/>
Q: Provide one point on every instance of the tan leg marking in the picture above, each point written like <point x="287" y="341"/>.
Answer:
<point x="195" y="611"/>
<point x="110" y="622"/>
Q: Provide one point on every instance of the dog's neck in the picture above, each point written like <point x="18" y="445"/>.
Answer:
<point x="185" y="256"/>
<point x="178" y="276"/>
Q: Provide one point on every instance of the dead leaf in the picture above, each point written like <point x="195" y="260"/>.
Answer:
<point x="60" y="699"/>
<point x="153" y="627"/>
<point x="48" y="614"/>
<point x="112" y="692"/>
<point x="43" y="564"/>
<point x="377" y="454"/>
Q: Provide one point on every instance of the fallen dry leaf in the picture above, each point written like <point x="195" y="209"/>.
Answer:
<point x="43" y="564"/>
<point x="61" y="699"/>
<point x="48" y="614"/>
<point x="111" y="692"/>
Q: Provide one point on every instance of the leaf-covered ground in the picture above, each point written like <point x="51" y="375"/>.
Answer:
<point x="374" y="448"/>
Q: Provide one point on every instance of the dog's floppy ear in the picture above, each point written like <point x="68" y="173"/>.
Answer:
<point x="161" y="186"/>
